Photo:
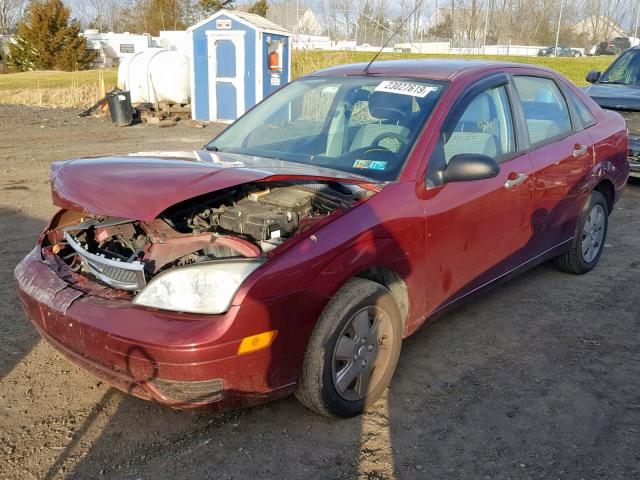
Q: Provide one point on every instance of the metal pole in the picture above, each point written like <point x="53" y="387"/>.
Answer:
<point x="486" y="26"/>
<point x="559" y="22"/>
<point x="436" y="23"/>
<point x="356" y="33"/>
<point x="635" y="28"/>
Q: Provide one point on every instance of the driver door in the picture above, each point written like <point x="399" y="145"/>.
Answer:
<point x="478" y="230"/>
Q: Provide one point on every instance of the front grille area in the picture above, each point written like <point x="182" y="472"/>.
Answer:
<point x="116" y="274"/>
<point x="119" y="275"/>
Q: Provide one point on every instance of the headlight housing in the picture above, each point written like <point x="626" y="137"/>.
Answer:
<point x="206" y="288"/>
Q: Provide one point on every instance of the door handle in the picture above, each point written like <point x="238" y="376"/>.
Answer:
<point x="514" y="179"/>
<point x="579" y="150"/>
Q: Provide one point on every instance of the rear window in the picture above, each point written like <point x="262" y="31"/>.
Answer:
<point x="585" y="118"/>
<point x="545" y="109"/>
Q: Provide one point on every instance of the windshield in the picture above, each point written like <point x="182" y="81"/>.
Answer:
<point x="357" y="125"/>
<point x="625" y="70"/>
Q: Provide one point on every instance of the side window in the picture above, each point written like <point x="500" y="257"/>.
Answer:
<point x="485" y="127"/>
<point x="545" y="109"/>
<point x="585" y="117"/>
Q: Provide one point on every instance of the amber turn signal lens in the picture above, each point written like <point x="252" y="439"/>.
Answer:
<point x="256" y="342"/>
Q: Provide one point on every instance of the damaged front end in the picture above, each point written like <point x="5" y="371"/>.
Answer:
<point x="632" y="118"/>
<point x="194" y="255"/>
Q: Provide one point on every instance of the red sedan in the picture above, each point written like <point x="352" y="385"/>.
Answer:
<point x="295" y="251"/>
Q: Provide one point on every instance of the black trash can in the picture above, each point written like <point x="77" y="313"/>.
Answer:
<point x="120" y="108"/>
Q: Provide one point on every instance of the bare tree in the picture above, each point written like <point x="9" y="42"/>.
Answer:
<point x="10" y="12"/>
<point x="604" y="16"/>
<point x="104" y="15"/>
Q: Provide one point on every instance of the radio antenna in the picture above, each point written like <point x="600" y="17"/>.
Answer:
<point x="402" y="24"/>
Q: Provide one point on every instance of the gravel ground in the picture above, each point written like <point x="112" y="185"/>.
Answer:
<point x="539" y="378"/>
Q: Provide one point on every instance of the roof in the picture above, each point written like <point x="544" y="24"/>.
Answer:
<point x="260" y="22"/>
<point x="420" y="68"/>
<point x="247" y="18"/>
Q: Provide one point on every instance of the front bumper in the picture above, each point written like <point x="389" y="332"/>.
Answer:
<point x="634" y="167"/>
<point x="182" y="360"/>
<point x="634" y="157"/>
<point x="634" y="145"/>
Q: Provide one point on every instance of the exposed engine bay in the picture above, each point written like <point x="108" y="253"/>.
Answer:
<point x="246" y="221"/>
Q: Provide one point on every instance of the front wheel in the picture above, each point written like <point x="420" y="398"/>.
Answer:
<point x="590" y="235"/>
<point x="353" y="351"/>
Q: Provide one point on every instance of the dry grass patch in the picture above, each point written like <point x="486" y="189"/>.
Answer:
<point x="55" y="89"/>
<point x="52" y="79"/>
<point x="75" y="97"/>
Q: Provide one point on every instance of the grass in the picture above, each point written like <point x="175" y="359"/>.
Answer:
<point x="575" y="69"/>
<point x="50" y="79"/>
<point x="80" y="89"/>
<point x="55" y="89"/>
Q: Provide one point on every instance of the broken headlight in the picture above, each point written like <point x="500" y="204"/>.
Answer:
<point x="205" y="288"/>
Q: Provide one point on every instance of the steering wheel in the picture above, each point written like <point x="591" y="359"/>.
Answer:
<point x="399" y="113"/>
<point x="402" y="141"/>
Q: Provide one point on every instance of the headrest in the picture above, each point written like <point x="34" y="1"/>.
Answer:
<point x="480" y="109"/>
<point x="544" y="95"/>
<point x="390" y="106"/>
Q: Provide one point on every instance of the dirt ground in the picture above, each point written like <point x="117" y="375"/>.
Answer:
<point x="540" y="378"/>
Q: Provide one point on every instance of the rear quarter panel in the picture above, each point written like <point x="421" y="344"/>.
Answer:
<point x="610" y="140"/>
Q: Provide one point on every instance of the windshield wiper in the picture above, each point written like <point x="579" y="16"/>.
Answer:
<point x="211" y="148"/>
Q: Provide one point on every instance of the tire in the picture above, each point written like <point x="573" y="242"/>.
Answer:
<point x="574" y="260"/>
<point x="318" y="387"/>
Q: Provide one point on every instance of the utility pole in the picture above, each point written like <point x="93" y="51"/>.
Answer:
<point x="486" y="26"/>
<point x="559" y="22"/>
<point x="635" y="28"/>
<point x="436" y="20"/>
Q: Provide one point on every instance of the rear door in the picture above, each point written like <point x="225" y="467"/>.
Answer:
<point x="478" y="230"/>
<point x="561" y="153"/>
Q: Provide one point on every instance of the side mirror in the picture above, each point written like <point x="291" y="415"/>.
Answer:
<point x="593" y="76"/>
<point x="465" y="167"/>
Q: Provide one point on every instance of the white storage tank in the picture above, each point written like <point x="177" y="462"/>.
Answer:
<point x="156" y="75"/>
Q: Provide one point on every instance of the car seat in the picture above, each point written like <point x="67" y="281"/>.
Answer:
<point x="392" y="110"/>
<point x="476" y="131"/>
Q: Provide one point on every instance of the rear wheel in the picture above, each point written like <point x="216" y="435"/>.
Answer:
<point x="353" y="351"/>
<point x="590" y="235"/>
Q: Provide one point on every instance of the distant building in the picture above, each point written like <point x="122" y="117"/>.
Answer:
<point x="423" y="47"/>
<point x="111" y="48"/>
<point x="178" y="40"/>
<point x="302" y="41"/>
<point x="597" y="28"/>
<point x="346" y="45"/>
<point x="295" y="19"/>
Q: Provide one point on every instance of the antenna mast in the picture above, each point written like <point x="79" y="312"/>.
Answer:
<point x="402" y="24"/>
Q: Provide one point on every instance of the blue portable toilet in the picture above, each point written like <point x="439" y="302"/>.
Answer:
<point x="238" y="59"/>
